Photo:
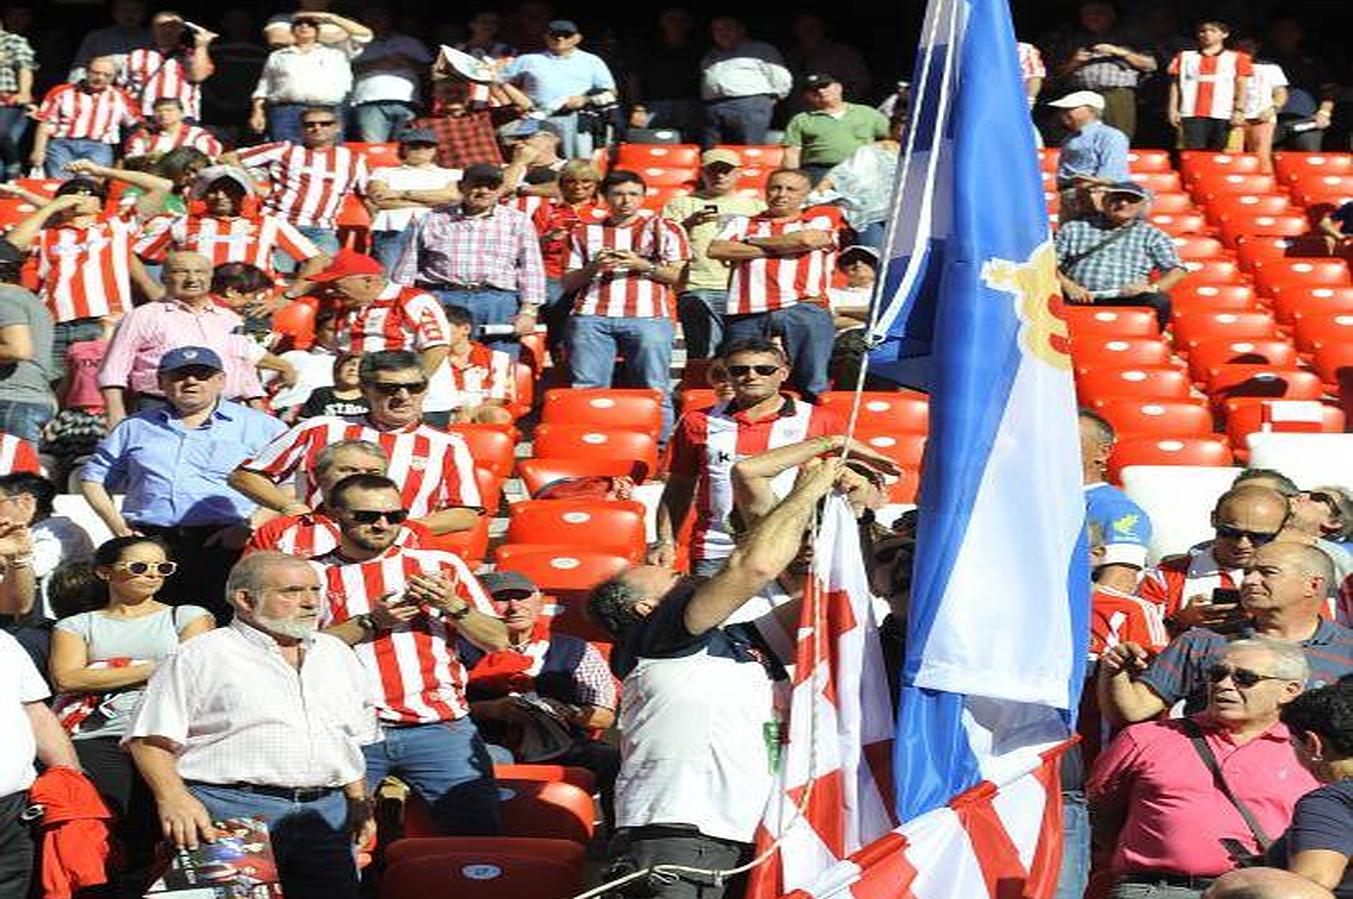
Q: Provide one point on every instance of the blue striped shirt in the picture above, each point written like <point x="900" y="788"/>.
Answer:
<point x="1097" y="150"/>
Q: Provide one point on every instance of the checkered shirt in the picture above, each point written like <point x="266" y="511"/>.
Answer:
<point x="462" y="140"/>
<point x="500" y="250"/>
<point x="1126" y="261"/>
<point x="16" y="54"/>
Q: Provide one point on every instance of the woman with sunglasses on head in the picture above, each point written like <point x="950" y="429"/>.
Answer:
<point x="100" y="662"/>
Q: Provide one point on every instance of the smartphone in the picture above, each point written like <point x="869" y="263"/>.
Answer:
<point x="711" y="208"/>
<point x="1225" y="596"/>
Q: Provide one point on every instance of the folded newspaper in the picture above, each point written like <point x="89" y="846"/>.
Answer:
<point x="238" y="865"/>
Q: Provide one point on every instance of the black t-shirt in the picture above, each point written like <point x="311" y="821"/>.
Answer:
<point x="323" y="402"/>
<point x="1323" y="819"/>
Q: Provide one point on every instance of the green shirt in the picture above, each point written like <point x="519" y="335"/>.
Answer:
<point x="702" y="272"/>
<point x="827" y="139"/>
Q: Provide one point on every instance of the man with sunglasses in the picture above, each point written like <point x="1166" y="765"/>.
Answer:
<point x="1322" y="518"/>
<point x="560" y="80"/>
<point x="1172" y="827"/>
<point x="1282" y="596"/>
<point x="402" y="610"/>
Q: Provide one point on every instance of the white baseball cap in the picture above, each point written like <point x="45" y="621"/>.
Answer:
<point x="1079" y="98"/>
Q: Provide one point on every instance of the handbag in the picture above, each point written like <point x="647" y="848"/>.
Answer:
<point x="1243" y="858"/>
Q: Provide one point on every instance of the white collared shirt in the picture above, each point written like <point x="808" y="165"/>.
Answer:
<point x="20" y="684"/>
<point x="238" y="712"/>
<point x="321" y="76"/>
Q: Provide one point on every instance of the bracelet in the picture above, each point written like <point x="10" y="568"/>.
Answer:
<point x="458" y="614"/>
<point x="365" y="622"/>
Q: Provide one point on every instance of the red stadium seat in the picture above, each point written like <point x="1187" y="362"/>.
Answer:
<point x="768" y="155"/>
<point x="883" y="410"/>
<point x="296" y="323"/>
<point x="483" y="868"/>
<point x="552" y="810"/>
<point x="1194" y="164"/>
<point x="1180" y="223"/>
<point x="1132" y="417"/>
<point x="640" y="156"/>
<point x="556" y="568"/>
<point x="1217" y="206"/>
<point x="1140" y="161"/>
<point x="533" y="351"/>
<point x="1116" y="352"/>
<point x="1314" y="187"/>
<point x="376" y="155"/>
<point x="574" y="441"/>
<point x="1190" y="295"/>
<point x="675" y="176"/>
<point x="1315" y="330"/>
<point x="581" y="778"/>
<point x="1138" y="381"/>
<point x="1193" y="327"/>
<point x="473" y="545"/>
<point x="1100" y="321"/>
<point x="1293" y="166"/>
<point x="1208" y="354"/>
<point x="1291" y="300"/>
<point x="1254" y="250"/>
<point x="1231" y="381"/>
<point x="1212" y="450"/>
<point x="607" y="524"/>
<point x="538" y="473"/>
<point x="1213" y="271"/>
<point x="523" y="388"/>
<point x="1228" y="183"/>
<point x="1198" y="246"/>
<point x="902" y="447"/>
<point x="1234" y="227"/>
<point x="1273" y="272"/>
<point x="1248" y="416"/>
<point x="753" y="177"/>
<point x="656" y="197"/>
<point x="1158" y="182"/>
<point x="640" y="409"/>
<point x="492" y="446"/>
<point x="903" y="489"/>
<point x="1047" y="158"/>
<point x="1173" y="203"/>
<point x="1334" y="362"/>
<point x="696" y="398"/>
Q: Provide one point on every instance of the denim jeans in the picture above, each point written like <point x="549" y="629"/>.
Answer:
<point x="738" y="120"/>
<point x="487" y="306"/>
<point x="284" y="120"/>
<point x="872" y="235"/>
<point x="573" y="144"/>
<point x="379" y="122"/>
<point x="13" y="126"/>
<point x="66" y="333"/>
<point x="324" y="239"/>
<point x="701" y="313"/>
<point x="646" y="344"/>
<point x="707" y="567"/>
<point x="386" y="246"/>
<point x="310" y="840"/>
<point x="24" y="420"/>
<point x="682" y="115"/>
<point x="807" y="333"/>
<point x="61" y="150"/>
<point x="1075" y="873"/>
<point x="449" y="765"/>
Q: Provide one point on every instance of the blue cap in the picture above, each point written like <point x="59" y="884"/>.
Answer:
<point x="417" y="136"/>
<point x="188" y="356"/>
<point x="1128" y="187"/>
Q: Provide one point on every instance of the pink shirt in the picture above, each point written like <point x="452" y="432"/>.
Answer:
<point x="82" y="365"/>
<point x="1175" y="814"/>
<point x="148" y="332"/>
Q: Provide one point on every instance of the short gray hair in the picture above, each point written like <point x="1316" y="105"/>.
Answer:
<point x="1289" y="659"/>
<point x="250" y="573"/>
<point x="326" y="455"/>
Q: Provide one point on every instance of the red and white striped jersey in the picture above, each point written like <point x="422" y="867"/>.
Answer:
<point x="308" y="186"/>
<point x="413" y="668"/>
<point x="433" y="468"/>
<point x="316" y="534"/>
<point x="708" y="441"/>
<point x="487" y="375"/>
<point x="1177" y="579"/>
<point x="17" y="454"/>
<point x="527" y="203"/>
<point x="1117" y="617"/>
<point x="225" y="239"/>
<point x="144" y="141"/>
<point x="400" y="318"/>
<point x="74" y="112"/>
<point x="761" y="285"/>
<point x="1030" y="61"/>
<point x="86" y="272"/>
<point x="147" y="75"/>
<point x="624" y="293"/>
<point x="1207" y="82"/>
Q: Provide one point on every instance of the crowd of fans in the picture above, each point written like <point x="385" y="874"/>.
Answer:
<point x="261" y="417"/>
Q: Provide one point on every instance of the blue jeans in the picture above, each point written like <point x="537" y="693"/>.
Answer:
<point x="807" y="333"/>
<point x="324" y="239"/>
<point x="707" y="567"/>
<point x="387" y="246"/>
<point x="284" y="120"/>
<point x="872" y="235"/>
<point x="681" y="115"/>
<point x="379" y="122"/>
<point x="1075" y="873"/>
<point x="646" y="344"/>
<point x="487" y="306"/>
<point x="449" y="765"/>
<point x="13" y="126"/>
<point x="573" y="144"/>
<point x="701" y="313"/>
<point x="66" y="333"/>
<point x="556" y="312"/>
<point x="61" y="150"/>
<point x="310" y="840"/>
<point x="24" y="420"/>
<point x="739" y="120"/>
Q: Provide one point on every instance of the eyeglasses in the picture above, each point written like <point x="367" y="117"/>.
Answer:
<point x="390" y="388"/>
<point x="1330" y="502"/>
<point x="371" y="516"/>
<point x="559" y="35"/>
<point x="1241" y="677"/>
<point x="163" y="569"/>
<point x="327" y="123"/>
<point x="742" y="371"/>
<point x="1258" y="538"/>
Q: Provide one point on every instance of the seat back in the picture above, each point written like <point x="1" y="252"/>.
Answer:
<point x="640" y="156"/>
<point x="577" y="441"/>
<point x="538" y="473"/>
<point x="1308" y="459"/>
<point x="1107" y="352"/>
<point x="1211" y="450"/>
<point x="483" y="868"/>
<point x="1133" y="417"/>
<point x="882" y="410"/>
<point x="1283" y="416"/>
<point x="1098" y="321"/>
<point x="493" y="446"/>
<point x="1155" y="381"/>
<point x="639" y="409"/>
<point x="1179" y="500"/>
<point x="612" y="524"/>
<point x="1208" y="354"/>
<point x="555" y="568"/>
<point x="1193" y="328"/>
<point x="1227" y="382"/>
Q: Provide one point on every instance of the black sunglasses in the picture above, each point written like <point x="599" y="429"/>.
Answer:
<point x="1258" y="538"/>
<point x="741" y="371"/>
<point x="561" y="33"/>
<point x="390" y="388"/>
<point x="163" y="569"/>
<point x="324" y="124"/>
<point x="1242" y="677"/>
<point x="1331" y="502"/>
<point x="371" y="516"/>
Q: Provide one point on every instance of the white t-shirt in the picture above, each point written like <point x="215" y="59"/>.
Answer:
<point x="55" y="540"/>
<point x="407" y="177"/>
<point x="393" y="85"/>
<point x="1259" y="91"/>
<point x="20" y="683"/>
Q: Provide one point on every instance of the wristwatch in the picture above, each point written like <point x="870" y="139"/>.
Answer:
<point x="365" y="622"/>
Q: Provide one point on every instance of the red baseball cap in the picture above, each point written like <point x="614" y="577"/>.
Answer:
<point x="347" y="262"/>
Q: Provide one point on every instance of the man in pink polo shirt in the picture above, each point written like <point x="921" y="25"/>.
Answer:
<point x="1155" y="800"/>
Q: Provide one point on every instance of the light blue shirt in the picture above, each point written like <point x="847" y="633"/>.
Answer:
<point x="1098" y="150"/>
<point x="547" y="79"/>
<point x="173" y="476"/>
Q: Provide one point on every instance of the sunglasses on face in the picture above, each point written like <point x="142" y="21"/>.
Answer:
<point x="326" y="123"/>
<point x="371" y="516"/>
<point x="163" y="569"/>
<point x="390" y="388"/>
<point x="559" y="35"/>
<point x="1257" y="538"/>
<point x="742" y="371"/>
<point x="1329" y="502"/>
<point x="1241" y="677"/>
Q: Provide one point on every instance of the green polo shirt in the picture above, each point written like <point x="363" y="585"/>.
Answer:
<point x="827" y="139"/>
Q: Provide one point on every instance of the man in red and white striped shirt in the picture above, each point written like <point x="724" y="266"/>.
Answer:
<point x="1207" y="95"/>
<point x="168" y="69"/>
<point x="782" y="262"/>
<point x="707" y="442"/>
<point x="81" y="120"/>
<point x="168" y="131"/>
<point x="223" y="234"/>
<point x="310" y="181"/>
<point x="401" y="611"/>
<point x="622" y="270"/>
<point x="433" y="468"/>
<point x="483" y="380"/>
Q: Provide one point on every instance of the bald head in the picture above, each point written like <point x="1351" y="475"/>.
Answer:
<point x="1254" y="500"/>
<point x="187" y="277"/>
<point x="1304" y="559"/>
<point x="1265" y="883"/>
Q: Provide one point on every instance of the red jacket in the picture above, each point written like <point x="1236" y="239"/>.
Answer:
<point x="75" y="843"/>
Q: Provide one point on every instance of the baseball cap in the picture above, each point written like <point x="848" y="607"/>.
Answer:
<point x="728" y="157"/>
<point x="189" y="356"/>
<point x="819" y="79"/>
<point x="1079" y="98"/>
<point x="416" y="136"/>
<point x="347" y="262"/>
<point x="1128" y="187"/>
<point x="561" y="26"/>
<point x="496" y="582"/>
<point x="214" y="173"/>
<point x="871" y="254"/>
<point x="481" y="173"/>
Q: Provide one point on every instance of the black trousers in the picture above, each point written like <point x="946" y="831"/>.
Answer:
<point x="1159" y="302"/>
<point x="135" y="822"/>
<point x="203" y="569"/>
<point x="636" y="848"/>
<point x="1205" y="134"/>
<point x="16" y="847"/>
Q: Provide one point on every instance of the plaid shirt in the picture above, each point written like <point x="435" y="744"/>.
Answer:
<point x="16" y="54"/>
<point x="499" y="250"/>
<point x="1128" y="260"/>
<point x="463" y="139"/>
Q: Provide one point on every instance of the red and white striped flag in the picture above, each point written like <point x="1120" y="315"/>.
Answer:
<point x="840" y="731"/>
